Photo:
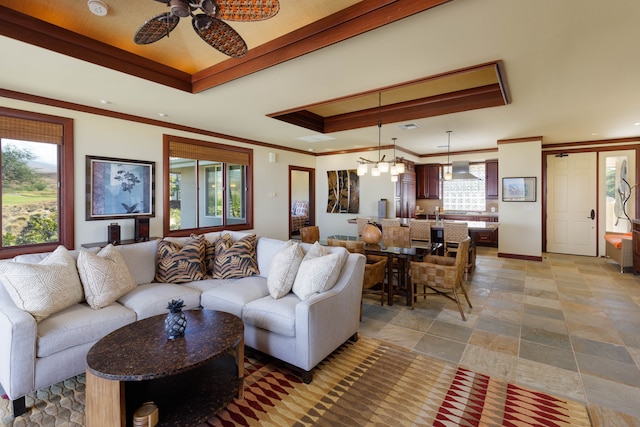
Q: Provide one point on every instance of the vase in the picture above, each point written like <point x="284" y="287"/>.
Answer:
<point x="371" y="234"/>
<point x="176" y="322"/>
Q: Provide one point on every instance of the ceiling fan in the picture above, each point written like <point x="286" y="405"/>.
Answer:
<point x="208" y="24"/>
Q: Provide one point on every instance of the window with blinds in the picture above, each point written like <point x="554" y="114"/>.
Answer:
<point x="208" y="186"/>
<point x="35" y="149"/>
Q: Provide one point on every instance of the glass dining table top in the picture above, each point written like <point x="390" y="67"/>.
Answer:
<point x="416" y="249"/>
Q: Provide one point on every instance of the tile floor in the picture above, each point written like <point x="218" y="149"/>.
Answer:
<point x="568" y="325"/>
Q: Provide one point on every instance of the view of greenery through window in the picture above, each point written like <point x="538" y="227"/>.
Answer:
<point x="466" y="194"/>
<point x="29" y="192"/>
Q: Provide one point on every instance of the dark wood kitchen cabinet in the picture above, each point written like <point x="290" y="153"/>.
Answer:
<point x="405" y="197"/>
<point x="491" y="179"/>
<point x="428" y="181"/>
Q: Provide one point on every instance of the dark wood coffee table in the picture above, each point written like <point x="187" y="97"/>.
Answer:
<point x="189" y="378"/>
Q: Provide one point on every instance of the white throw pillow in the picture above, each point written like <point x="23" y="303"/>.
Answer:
<point x="315" y="251"/>
<point x="316" y="275"/>
<point x="44" y="288"/>
<point x="283" y="269"/>
<point x="105" y="276"/>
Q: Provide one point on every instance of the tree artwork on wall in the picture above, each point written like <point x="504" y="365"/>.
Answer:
<point x="344" y="191"/>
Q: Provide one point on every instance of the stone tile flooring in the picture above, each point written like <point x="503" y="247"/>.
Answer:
<point x="568" y="325"/>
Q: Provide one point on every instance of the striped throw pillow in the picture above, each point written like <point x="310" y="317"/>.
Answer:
<point x="235" y="259"/>
<point x="181" y="263"/>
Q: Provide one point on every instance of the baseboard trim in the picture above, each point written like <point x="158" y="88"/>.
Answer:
<point x="516" y="256"/>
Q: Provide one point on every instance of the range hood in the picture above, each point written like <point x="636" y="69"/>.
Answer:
<point x="460" y="170"/>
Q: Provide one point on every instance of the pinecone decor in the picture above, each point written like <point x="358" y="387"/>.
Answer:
<point x="176" y="322"/>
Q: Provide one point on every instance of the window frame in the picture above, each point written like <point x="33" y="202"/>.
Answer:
<point x="167" y="139"/>
<point x="66" y="217"/>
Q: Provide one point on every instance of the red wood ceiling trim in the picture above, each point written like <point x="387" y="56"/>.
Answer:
<point x="455" y="102"/>
<point x="355" y="20"/>
<point x="30" y="30"/>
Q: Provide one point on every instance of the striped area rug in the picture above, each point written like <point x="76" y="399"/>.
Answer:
<point x="370" y="383"/>
<point x="362" y="383"/>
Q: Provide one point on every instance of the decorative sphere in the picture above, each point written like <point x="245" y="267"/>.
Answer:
<point x="371" y="234"/>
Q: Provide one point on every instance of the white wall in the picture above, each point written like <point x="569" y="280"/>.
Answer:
<point x="103" y="136"/>
<point x="520" y="229"/>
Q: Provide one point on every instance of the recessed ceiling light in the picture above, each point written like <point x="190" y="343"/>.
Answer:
<point x="408" y="126"/>
<point x="97" y="7"/>
<point x="105" y="101"/>
<point x="163" y="115"/>
<point x="636" y="124"/>
<point x="594" y="134"/>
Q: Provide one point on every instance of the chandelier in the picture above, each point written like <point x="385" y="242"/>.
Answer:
<point x="381" y="165"/>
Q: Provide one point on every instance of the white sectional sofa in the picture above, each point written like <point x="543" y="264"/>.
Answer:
<point x="299" y="332"/>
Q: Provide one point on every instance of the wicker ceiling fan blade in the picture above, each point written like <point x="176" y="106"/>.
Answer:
<point x="156" y="28"/>
<point x="220" y="36"/>
<point x="248" y="10"/>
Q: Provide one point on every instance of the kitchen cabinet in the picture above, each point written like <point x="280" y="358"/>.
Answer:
<point x="428" y="181"/>
<point x="491" y="179"/>
<point x="405" y="197"/>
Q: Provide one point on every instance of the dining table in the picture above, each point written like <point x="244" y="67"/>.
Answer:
<point x="402" y="256"/>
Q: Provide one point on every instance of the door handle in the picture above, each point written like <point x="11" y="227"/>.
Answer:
<point x="593" y="214"/>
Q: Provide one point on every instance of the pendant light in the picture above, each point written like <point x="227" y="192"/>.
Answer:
<point x="447" y="174"/>
<point x="380" y="166"/>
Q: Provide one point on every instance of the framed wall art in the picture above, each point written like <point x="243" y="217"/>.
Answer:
<point x="344" y="191"/>
<point x="119" y="188"/>
<point x="519" y="189"/>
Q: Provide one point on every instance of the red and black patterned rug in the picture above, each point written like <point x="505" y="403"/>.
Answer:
<point x="362" y="383"/>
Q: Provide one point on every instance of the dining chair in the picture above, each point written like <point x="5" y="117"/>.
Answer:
<point x="396" y="235"/>
<point x="310" y="234"/>
<point x="387" y="222"/>
<point x="453" y="234"/>
<point x="420" y="231"/>
<point x="443" y="275"/>
<point x="374" y="270"/>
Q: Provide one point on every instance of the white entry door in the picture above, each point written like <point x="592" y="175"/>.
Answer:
<point x="571" y="204"/>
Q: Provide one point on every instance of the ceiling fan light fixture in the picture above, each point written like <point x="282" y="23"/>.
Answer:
<point x="180" y="8"/>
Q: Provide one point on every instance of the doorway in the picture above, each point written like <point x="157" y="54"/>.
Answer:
<point x="572" y="203"/>
<point x="301" y="189"/>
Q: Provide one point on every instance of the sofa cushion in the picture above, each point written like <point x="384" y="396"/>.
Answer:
<point x="181" y="263"/>
<point x="141" y="259"/>
<point x="278" y="316"/>
<point x="266" y="249"/>
<point x="317" y="274"/>
<point x="237" y="259"/>
<point x="44" y="288"/>
<point x="234" y="294"/>
<point x="79" y="324"/>
<point x="283" y="269"/>
<point x="152" y="299"/>
<point x="105" y="276"/>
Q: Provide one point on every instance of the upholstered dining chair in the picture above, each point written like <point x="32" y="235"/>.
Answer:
<point x="420" y="231"/>
<point x="442" y="275"/>
<point x="453" y="234"/>
<point x="389" y="222"/>
<point x="374" y="269"/>
<point x="310" y="234"/>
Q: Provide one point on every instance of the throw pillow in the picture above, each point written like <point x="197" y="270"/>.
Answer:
<point x="44" y="288"/>
<point x="105" y="276"/>
<point x="181" y="264"/>
<point x="210" y="250"/>
<point x="316" y="275"/>
<point x="237" y="259"/>
<point x="283" y="269"/>
<point x="315" y="251"/>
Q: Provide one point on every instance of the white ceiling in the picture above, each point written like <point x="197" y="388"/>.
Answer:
<point x="571" y="66"/>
